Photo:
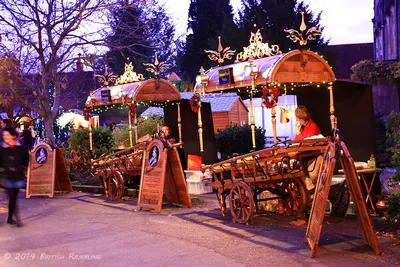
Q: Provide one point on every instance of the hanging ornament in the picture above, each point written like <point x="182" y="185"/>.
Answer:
<point x="195" y="103"/>
<point x="270" y="97"/>
<point x="86" y="113"/>
<point x="132" y="110"/>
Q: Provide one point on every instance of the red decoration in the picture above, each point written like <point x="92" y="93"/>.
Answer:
<point x="132" y="110"/>
<point x="194" y="162"/>
<point x="86" y="113"/>
<point x="270" y="97"/>
<point x="195" y="103"/>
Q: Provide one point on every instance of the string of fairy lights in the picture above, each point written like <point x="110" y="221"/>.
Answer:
<point x="283" y="87"/>
<point x="289" y="87"/>
<point x="112" y="107"/>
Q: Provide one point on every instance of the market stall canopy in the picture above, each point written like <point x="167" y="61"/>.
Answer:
<point x="297" y="66"/>
<point x="24" y="119"/>
<point x="152" y="90"/>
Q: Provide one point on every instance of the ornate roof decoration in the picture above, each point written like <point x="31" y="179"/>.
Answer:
<point x="107" y="78"/>
<point x="303" y="36"/>
<point x="257" y="49"/>
<point x="221" y="53"/>
<point x="157" y="67"/>
<point x="129" y="75"/>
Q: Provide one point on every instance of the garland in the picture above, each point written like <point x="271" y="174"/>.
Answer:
<point x="267" y="93"/>
<point x="132" y="110"/>
<point x="86" y="113"/>
<point x="195" y="103"/>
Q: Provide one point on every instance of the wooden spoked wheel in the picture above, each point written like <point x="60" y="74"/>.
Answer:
<point x="241" y="203"/>
<point x="297" y="198"/>
<point x="115" y="186"/>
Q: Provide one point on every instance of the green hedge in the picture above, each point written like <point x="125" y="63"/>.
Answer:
<point x="78" y="154"/>
<point x="394" y="207"/>
<point x="146" y="125"/>
<point x="103" y="140"/>
<point x="393" y="141"/>
<point x="237" y="139"/>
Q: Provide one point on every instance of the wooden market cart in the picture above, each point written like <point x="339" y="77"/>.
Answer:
<point x="130" y="91"/>
<point x="281" y="170"/>
<point x="264" y="68"/>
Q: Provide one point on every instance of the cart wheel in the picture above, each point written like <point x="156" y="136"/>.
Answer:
<point x="297" y="202"/>
<point x="241" y="202"/>
<point x="116" y="186"/>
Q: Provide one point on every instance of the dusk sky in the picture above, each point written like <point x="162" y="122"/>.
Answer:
<point x="344" y="21"/>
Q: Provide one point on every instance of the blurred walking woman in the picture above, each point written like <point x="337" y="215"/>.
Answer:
<point x="14" y="160"/>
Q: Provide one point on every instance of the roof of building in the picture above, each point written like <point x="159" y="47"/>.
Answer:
<point x="173" y="77"/>
<point x="342" y="57"/>
<point x="222" y="102"/>
<point x="152" y="111"/>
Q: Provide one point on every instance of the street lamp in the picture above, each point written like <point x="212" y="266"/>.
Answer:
<point x="203" y="80"/>
<point x="252" y="71"/>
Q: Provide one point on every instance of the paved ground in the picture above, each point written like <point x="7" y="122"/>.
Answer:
<point x="82" y="229"/>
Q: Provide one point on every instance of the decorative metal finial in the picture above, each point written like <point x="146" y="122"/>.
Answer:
<point x="107" y="78"/>
<point x="303" y="36"/>
<point x="129" y="75"/>
<point x="257" y="49"/>
<point x="157" y="67"/>
<point x="221" y="53"/>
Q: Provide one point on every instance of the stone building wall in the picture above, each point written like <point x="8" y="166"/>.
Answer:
<point x="386" y="23"/>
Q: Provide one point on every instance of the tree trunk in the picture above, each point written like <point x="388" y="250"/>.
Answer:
<point x="49" y="130"/>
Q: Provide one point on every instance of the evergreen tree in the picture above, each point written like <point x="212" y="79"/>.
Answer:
<point x="272" y="17"/>
<point x="140" y="29"/>
<point x="208" y="19"/>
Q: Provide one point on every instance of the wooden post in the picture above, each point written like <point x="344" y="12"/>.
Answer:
<point x="253" y="130"/>
<point x="200" y="124"/>
<point x="136" y="124"/>
<point x="90" y="136"/>
<point x="332" y="108"/>
<point x="273" y="118"/>
<point x="179" y="123"/>
<point x="130" y="126"/>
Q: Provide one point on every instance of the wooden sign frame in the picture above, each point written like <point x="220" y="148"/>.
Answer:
<point x="42" y="157"/>
<point x="358" y="198"/>
<point x="62" y="179"/>
<point x="153" y="177"/>
<point x="175" y="187"/>
<point x="321" y="194"/>
<point x="164" y="176"/>
<point x="315" y="222"/>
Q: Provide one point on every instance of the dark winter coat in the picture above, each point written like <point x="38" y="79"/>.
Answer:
<point x="13" y="162"/>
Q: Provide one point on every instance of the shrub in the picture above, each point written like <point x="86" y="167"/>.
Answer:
<point x="394" y="207"/>
<point x="361" y="71"/>
<point x="103" y="140"/>
<point x="237" y="139"/>
<point x="121" y="136"/>
<point x="146" y="125"/>
<point x="383" y="155"/>
<point x="393" y="141"/>
<point x="78" y="154"/>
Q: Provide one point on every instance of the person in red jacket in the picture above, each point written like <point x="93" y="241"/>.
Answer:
<point x="307" y="127"/>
